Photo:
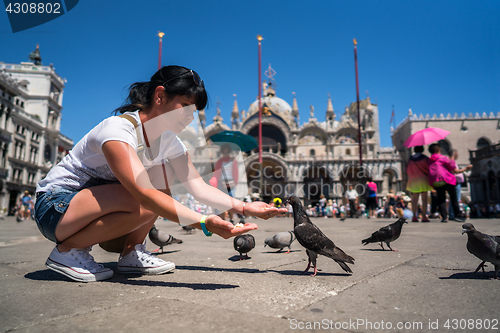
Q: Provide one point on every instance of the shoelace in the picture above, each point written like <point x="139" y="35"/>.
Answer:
<point x="86" y="259"/>
<point x="146" y="256"/>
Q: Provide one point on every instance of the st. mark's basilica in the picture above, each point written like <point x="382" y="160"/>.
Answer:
<point x="307" y="159"/>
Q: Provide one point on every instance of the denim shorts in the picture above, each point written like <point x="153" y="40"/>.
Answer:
<point x="49" y="207"/>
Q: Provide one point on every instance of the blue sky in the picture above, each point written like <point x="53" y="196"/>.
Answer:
<point x="432" y="56"/>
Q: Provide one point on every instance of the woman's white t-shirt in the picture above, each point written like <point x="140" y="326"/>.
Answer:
<point x="85" y="165"/>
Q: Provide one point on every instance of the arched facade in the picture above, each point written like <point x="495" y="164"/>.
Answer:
<point x="307" y="159"/>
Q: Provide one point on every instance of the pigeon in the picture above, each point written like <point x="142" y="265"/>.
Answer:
<point x="161" y="238"/>
<point x="244" y="244"/>
<point x="386" y="234"/>
<point x="187" y="228"/>
<point x="314" y="240"/>
<point x="280" y="240"/>
<point x="485" y="247"/>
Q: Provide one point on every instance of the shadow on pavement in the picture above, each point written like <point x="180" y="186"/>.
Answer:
<point x="281" y="251"/>
<point x="237" y="257"/>
<point x="49" y="275"/>
<point x="219" y="269"/>
<point x="469" y="276"/>
<point x="164" y="252"/>
<point x="376" y="250"/>
<point x="298" y="273"/>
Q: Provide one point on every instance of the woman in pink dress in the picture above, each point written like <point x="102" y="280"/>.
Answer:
<point x="418" y="181"/>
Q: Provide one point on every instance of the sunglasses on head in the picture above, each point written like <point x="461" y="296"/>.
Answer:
<point x="196" y="78"/>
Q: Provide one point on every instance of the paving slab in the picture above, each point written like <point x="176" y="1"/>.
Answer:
<point x="430" y="278"/>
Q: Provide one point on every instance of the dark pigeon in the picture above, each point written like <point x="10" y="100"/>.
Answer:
<point x="161" y="238"/>
<point x="187" y="228"/>
<point x="386" y="234"/>
<point x="485" y="247"/>
<point x="280" y="241"/>
<point x="314" y="240"/>
<point x="244" y="244"/>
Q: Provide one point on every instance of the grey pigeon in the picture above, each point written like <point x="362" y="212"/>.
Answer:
<point x="244" y="244"/>
<point x="187" y="228"/>
<point x="386" y="234"/>
<point x="485" y="247"/>
<point x="161" y="238"/>
<point x="280" y="241"/>
<point x="314" y="240"/>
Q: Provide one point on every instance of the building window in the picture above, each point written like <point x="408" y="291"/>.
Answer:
<point x="482" y="143"/>
<point x="3" y="154"/>
<point x="31" y="178"/>
<point x="35" y="136"/>
<point x="312" y="152"/>
<point x="17" y="175"/>
<point x="33" y="155"/>
<point x="348" y="152"/>
<point x="19" y="149"/>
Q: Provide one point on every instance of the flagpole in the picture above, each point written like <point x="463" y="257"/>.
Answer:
<point x="259" y="38"/>
<point x="357" y="100"/>
<point x="160" y="34"/>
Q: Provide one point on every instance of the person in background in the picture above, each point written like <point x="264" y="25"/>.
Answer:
<point x="329" y="208"/>
<point x="322" y="205"/>
<point x="453" y="155"/>
<point x="226" y="175"/>
<point x="352" y="197"/>
<point x="362" y="208"/>
<point x="442" y="177"/>
<point x="371" y="200"/>
<point x="418" y="181"/>
<point x="391" y="203"/>
<point x="25" y="207"/>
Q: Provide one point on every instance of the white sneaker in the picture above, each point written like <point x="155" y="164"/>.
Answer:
<point x="143" y="262"/>
<point x="78" y="265"/>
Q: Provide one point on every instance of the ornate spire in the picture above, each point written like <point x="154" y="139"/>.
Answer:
<point x="235" y="115"/>
<point x="410" y="113"/>
<point x="218" y="118"/>
<point x="236" y="111"/>
<point x="330" y="113"/>
<point x="295" y="108"/>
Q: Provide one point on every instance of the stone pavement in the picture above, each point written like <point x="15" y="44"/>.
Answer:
<point x="428" y="281"/>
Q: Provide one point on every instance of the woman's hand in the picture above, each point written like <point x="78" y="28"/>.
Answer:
<point x="262" y="210"/>
<point x="226" y="229"/>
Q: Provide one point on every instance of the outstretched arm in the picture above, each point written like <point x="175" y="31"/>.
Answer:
<point x="129" y="170"/>
<point x="203" y="192"/>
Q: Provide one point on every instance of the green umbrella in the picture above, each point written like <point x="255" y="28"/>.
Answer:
<point x="245" y="142"/>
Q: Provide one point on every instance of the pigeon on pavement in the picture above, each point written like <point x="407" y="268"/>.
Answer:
<point x="386" y="234"/>
<point x="314" y="240"/>
<point x="187" y="228"/>
<point x="280" y="241"/>
<point x="161" y="238"/>
<point x="244" y="244"/>
<point x="483" y="246"/>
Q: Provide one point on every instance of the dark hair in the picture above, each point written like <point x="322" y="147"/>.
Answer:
<point x="452" y="152"/>
<point x="369" y="178"/>
<point x="141" y="93"/>
<point x="434" y="148"/>
<point x="418" y="149"/>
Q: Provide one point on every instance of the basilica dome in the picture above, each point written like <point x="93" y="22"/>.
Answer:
<point x="276" y="104"/>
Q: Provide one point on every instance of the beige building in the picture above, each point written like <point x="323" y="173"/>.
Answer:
<point x="314" y="157"/>
<point x="30" y="120"/>
<point x="468" y="132"/>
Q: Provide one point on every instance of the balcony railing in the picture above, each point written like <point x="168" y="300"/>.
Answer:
<point x="485" y="152"/>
